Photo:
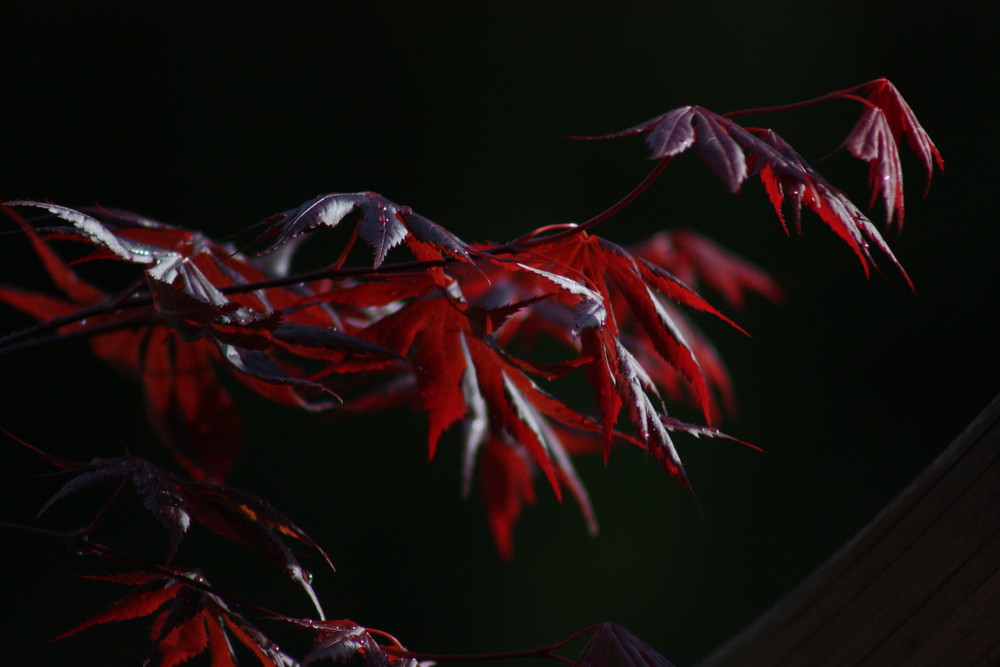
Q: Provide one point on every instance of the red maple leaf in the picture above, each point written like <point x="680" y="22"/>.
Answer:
<point x="701" y="264"/>
<point x="453" y="330"/>
<point x="875" y="139"/>
<point x="620" y="279"/>
<point x="189" y="620"/>
<point x="734" y="153"/>
<point x="174" y="342"/>
<point x="698" y="262"/>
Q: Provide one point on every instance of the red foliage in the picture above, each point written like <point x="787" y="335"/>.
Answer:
<point x="189" y="621"/>
<point x="450" y="330"/>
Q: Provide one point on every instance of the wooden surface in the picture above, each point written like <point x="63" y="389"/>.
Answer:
<point x="919" y="585"/>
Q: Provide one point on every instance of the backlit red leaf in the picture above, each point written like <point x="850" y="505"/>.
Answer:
<point x="871" y="140"/>
<point x="506" y="485"/>
<point x="901" y="120"/>
<point x="189" y="621"/>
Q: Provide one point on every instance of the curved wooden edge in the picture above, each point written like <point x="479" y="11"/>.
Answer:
<point x="919" y="585"/>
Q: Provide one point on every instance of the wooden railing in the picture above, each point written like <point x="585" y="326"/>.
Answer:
<point x="919" y="585"/>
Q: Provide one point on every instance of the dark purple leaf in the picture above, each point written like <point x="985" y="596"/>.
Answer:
<point x="326" y="210"/>
<point x="381" y="227"/>
<point x="157" y="489"/>
<point x="672" y="133"/>
<point x="99" y="234"/>
<point x="382" y="224"/>
<point x="258" y="365"/>
<point x="229" y="512"/>
<point x="719" y="150"/>
<point x="612" y="644"/>
<point x="165" y="501"/>
<point x="434" y="234"/>
<point x="186" y="314"/>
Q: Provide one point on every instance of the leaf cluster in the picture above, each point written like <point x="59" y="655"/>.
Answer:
<point x="449" y="328"/>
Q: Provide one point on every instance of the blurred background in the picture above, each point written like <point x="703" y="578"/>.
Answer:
<point x="216" y="115"/>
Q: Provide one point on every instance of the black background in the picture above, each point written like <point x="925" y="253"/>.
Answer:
<point x="216" y="115"/>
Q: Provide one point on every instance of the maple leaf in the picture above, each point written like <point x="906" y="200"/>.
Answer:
<point x="671" y="384"/>
<point x="734" y="153"/>
<point x="343" y="640"/>
<point x="382" y="224"/>
<point x="611" y="644"/>
<point x="871" y="140"/>
<point x="462" y="374"/>
<point x="429" y="331"/>
<point x="506" y="486"/>
<point x="901" y="120"/>
<point x="174" y="346"/>
<point x="189" y="620"/>
<point x="186" y="276"/>
<point x="802" y="185"/>
<point x="875" y="138"/>
<point x="174" y="501"/>
<point x="193" y="415"/>
<point x="510" y="425"/>
<point x="618" y="276"/>
<point x="701" y="264"/>
<point x="698" y="261"/>
<point x="171" y="255"/>
<point x="717" y="139"/>
<point x="511" y="301"/>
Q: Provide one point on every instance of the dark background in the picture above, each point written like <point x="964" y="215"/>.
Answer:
<point x="216" y="115"/>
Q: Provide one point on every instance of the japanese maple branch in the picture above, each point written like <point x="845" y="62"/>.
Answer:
<point x="77" y="542"/>
<point x="102" y="308"/>
<point x="93" y="330"/>
<point x="128" y="299"/>
<point x="548" y="651"/>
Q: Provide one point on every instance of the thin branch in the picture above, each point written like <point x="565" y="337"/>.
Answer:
<point x="546" y="652"/>
<point x="102" y="308"/>
<point x="77" y="542"/>
<point x="846" y="94"/>
<point x="90" y="331"/>
<point x="128" y="299"/>
<point x="530" y="241"/>
<point x="89" y="528"/>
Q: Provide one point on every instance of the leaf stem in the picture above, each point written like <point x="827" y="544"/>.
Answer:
<point x="846" y="94"/>
<point x="530" y="241"/>
<point x="93" y="330"/>
<point x="89" y="528"/>
<point x="782" y="107"/>
<point x="546" y="651"/>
